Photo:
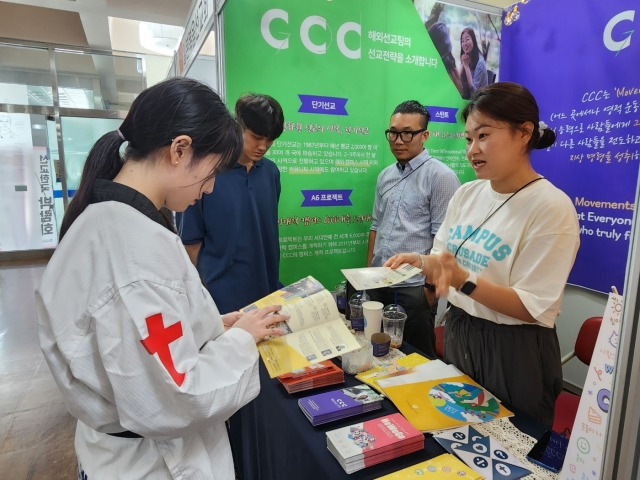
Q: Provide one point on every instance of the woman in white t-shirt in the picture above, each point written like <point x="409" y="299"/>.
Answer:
<point x="503" y="255"/>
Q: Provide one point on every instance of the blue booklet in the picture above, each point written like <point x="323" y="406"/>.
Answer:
<point x="340" y="403"/>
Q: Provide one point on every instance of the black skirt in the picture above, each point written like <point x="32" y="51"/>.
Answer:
<point x="519" y="364"/>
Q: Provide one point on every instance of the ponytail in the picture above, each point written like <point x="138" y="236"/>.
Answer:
<point x="547" y="137"/>
<point x="160" y="113"/>
<point x="104" y="161"/>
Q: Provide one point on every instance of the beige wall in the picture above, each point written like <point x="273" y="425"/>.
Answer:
<point x="41" y="24"/>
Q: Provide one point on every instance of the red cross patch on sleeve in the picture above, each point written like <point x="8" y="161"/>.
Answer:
<point x="158" y="342"/>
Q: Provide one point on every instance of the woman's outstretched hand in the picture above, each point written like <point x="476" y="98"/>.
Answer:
<point x="450" y="274"/>
<point x="258" y="322"/>
<point x="396" y="260"/>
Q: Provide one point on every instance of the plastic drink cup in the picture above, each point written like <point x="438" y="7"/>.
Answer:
<point x="393" y="324"/>
<point x="356" y="315"/>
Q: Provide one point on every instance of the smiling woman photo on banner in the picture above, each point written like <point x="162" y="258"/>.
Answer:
<point x="476" y="34"/>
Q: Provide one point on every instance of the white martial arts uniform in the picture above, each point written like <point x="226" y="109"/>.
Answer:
<point x="135" y="342"/>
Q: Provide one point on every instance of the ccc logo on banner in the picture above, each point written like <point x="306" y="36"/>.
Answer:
<point x="607" y="35"/>
<point x="307" y="23"/>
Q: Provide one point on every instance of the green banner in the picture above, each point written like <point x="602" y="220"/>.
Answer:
<point x="338" y="68"/>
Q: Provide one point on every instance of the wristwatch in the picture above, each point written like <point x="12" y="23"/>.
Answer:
<point x="470" y="284"/>
<point x="429" y="286"/>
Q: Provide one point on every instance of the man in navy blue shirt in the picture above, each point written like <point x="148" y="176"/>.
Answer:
<point x="231" y="235"/>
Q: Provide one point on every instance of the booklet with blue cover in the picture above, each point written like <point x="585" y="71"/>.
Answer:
<point x="341" y="403"/>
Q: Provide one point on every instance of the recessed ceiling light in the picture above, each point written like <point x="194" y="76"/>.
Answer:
<point x="162" y="39"/>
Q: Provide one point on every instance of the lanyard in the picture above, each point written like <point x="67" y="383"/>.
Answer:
<point x="404" y="178"/>
<point x="495" y="211"/>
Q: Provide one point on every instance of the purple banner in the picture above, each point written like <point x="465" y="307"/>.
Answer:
<point x="326" y="198"/>
<point x="322" y="105"/>
<point x="443" y="114"/>
<point x="580" y="73"/>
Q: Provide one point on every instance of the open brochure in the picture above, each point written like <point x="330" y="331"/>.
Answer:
<point x="314" y="331"/>
<point x="369" y="278"/>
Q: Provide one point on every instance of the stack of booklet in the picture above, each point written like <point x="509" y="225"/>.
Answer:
<point x="315" y="375"/>
<point x="341" y="403"/>
<point x="374" y="441"/>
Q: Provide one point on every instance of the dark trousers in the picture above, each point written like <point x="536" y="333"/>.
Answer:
<point x="519" y="364"/>
<point x="418" y="329"/>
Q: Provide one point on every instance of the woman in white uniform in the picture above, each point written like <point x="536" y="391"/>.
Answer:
<point x="145" y="361"/>
<point x="503" y="255"/>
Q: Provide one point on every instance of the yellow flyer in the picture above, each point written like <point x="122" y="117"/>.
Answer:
<point x="442" y="467"/>
<point x="401" y="366"/>
<point x="445" y="403"/>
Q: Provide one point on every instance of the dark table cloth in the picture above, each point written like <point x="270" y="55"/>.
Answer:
<point x="273" y="440"/>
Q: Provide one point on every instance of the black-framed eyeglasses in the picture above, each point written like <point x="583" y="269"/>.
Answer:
<point x="405" y="136"/>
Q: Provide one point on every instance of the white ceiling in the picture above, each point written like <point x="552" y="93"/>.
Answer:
<point x="86" y="22"/>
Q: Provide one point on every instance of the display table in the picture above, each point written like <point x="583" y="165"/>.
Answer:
<point x="273" y="440"/>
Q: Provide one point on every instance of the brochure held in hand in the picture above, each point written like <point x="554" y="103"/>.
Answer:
<point x="314" y="331"/>
<point x="369" y="278"/>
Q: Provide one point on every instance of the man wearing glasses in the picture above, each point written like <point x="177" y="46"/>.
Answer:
<point x="411" y="200"/>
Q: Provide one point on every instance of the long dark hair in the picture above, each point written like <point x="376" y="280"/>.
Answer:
<point x="475" y="52"/>
<point x="513" y="104"/>
<point x="177" y="106"/>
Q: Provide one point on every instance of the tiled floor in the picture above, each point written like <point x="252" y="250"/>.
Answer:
<point x="36" y="431"/>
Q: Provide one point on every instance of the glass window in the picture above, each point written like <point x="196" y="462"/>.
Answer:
<point x="97" y="81"/>
<point x="28" y="221"/>
<point x="78" y="136"/>
<point x="24" y="72"/>
<point x="204" y="66"/>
